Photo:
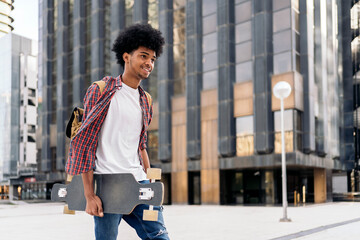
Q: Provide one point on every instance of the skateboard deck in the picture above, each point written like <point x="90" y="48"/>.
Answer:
<point x="119" y="193"/>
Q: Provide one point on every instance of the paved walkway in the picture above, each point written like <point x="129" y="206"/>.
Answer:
<point x="320" y="221"/>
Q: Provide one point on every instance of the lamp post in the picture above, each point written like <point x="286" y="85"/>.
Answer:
<point x="282" y="90"/>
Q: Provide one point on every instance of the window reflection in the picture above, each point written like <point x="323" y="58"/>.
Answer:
<point x="244" y="72"/>
<point x="243" y="12"/>
<point x="209" y="7"/>
<point x="153" y="13"/>
<point x="245" y="136"/>
<point x="282" y="41"/>
<point x="179" y="3"/>
<point x="210" y="80"/>
<point x="281" y="20"/>
<point x="179" y="34"/>
<point x="289" y="141"/>
<point x="288" y="120"/>
<point x="179" y="16"/>
<point x="243" y="51"/>
<point x="179" y="46"/>
<point x="154" y="22"/>
<point x="153" y="145"/>
<point x="129" y="4"/>
<point x="243" y="32"/>
<point x="279" y="4"/>
<point x="210" y="61"/>
<point x="209" y="24"/>
<point x="282" y="62"/>
<point x="244" y="145"/>
<point x="210" y="42"/>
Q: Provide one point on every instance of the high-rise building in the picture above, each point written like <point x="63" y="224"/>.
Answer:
<point x="6" y="6"/>
<point x="215" y="131"/>
<point x="18" y="114"/>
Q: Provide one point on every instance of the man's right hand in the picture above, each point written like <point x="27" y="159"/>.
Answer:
<point x="93" y="202"/>
<point x="94" y="206"/>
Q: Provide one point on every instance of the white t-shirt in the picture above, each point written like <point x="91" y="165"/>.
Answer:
<point x="117" y="150"/>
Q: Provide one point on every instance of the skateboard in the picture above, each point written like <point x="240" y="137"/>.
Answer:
<point x="119" y="193"/>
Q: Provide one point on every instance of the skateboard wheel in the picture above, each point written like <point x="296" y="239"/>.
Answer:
<point x="68" y="211"/>
<point x="153" y="173"/>
<point x="150" y="215"/>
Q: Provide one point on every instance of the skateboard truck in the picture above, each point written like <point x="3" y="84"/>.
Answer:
<point x="62" y="192"/>
<point x="151" y="214"/>
<point x="146" y="194"/>
<point x="66" y="207"/>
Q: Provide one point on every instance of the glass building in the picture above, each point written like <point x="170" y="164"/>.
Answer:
<point x="18" y="115"/>
<point x="215" y="131"/>
<point x="6" y="6"/>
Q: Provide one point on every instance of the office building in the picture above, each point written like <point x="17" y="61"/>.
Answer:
<point x="216" y="125"/>
<point x="18" y="115"/>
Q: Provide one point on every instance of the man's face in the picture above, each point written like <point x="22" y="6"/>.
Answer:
<point x="140" y="62"/>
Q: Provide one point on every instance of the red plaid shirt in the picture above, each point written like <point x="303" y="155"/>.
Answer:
<point x="82" y="152"/>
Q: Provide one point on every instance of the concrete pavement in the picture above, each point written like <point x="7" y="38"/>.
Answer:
<point x="317" y="221"/>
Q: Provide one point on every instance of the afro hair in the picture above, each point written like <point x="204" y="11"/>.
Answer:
<point x="136" y="36"/>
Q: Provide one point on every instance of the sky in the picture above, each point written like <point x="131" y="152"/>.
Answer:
<point x="25" y="15"/>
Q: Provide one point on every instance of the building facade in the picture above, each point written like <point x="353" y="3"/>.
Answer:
<point x="18" y="115"/>
<point x="216" y="126"/>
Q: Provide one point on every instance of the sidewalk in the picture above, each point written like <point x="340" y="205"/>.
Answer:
<point x="320" y="221"/>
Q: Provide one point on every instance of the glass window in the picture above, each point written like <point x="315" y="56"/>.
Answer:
<point x="297" y="42"/>
<point x="129" y="6"/>
<point x="288" y="120"/>
<point x="245" y="125"/>
<point x="243" y="12"/>
<point x="179" y="70"/>
<point x="281" y="20"/>
<point x="298" y="69"/>
<point x="210" y="42"/>
<point x="279" y="4"/>
<point x="153" y="13"/>
<point x="209" y="7"/>
<point x="179" y="3"/>
<point x="245" y="136"/>
<point x="179" y="34"/>
<point x="210" y="80"/>
<point x="295" y="4"/>
<point x="179" y="51"/>
<point x="210" y="61"/>
<point x="153" y="146"/>
<point x="179" y="16"/>
<point x="209" y="24"/>
<point x="240" y="1"/>
<point x="244" y="72"/>
<point x="282" y="62"/>
<point x="179" y="87"/>
<point x="282" y="41"/>
<point x="243" y="51"/>
<point x="297" y="20"/>
<point x="243" y="32"/>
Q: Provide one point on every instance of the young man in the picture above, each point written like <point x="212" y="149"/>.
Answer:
<point x="112" y="138"/>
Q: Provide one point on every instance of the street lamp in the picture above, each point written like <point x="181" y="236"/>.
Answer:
<point x="282" y="90"/>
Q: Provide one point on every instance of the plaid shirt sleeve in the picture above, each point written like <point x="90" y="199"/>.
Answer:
<point x="79" y="160"/>
<point x="148" y="112"/>
<point x="92" y="95"/>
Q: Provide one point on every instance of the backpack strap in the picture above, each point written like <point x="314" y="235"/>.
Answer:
<point x="101" y="85"/>
<point x="149" y="98"/>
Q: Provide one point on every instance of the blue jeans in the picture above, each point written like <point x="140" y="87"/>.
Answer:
<point x="106" y="227"/>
